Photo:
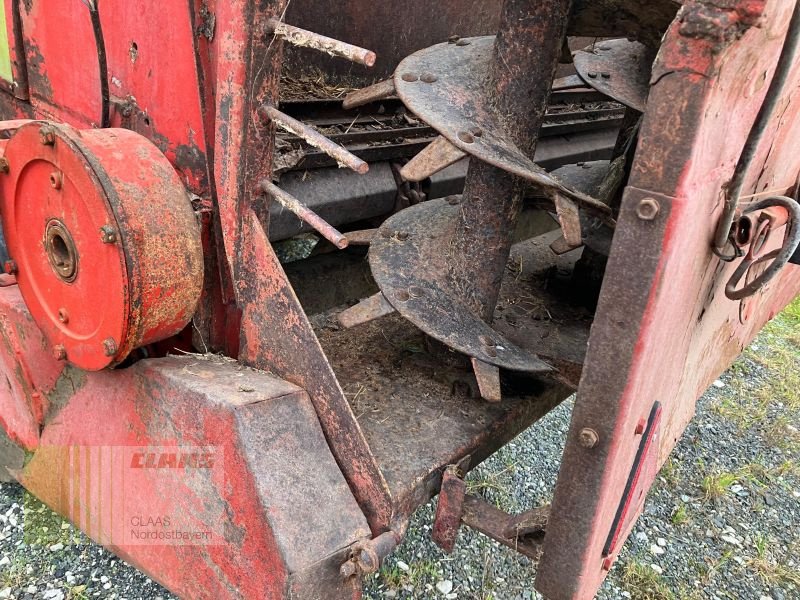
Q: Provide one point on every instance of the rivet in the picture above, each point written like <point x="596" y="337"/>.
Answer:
<point x="401" y="235"/>
<point x="386" y="233"/>
<point x="108" y="235"/>
<point x="56" y="180"/>
<point x="59" y="352"/>
<point x="429" y="78"/>
<point x="4" y="166"/>
<point x="592" y="74"/>
<point x="416" y="292"/>
<point x="63" y="315"/>
<point x="453" y="200"/>
<point x="463" y="43"/>
<point x="10" y="267"/>
<point x="410" y="77"/>
<point x="403" y="296"/>
<point x="109" y="347"/>
<point x="647" y="209"/>
<point x="605" y="75"/>
<point x="588" y="437"/>
<point x="466" y="137"/>
<point x="47" y="135"/>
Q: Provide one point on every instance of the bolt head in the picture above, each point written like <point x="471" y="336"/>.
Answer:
<point x="588" y="437"/>
<point x="10" y="267"/>
<point x="108" y="235"/>
<point x="410" y="77"/>
<point x="59" y="352"/>
<point x="47" y="135"/>
<point x="109" y="347"/>
<point x="429" y="78"/>
<point x="401" y="235"/>
<point x="648" y="209"/>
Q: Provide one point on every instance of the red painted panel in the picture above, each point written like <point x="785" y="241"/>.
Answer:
<point x="62" y="61"/>
<point x="664" y="328"/>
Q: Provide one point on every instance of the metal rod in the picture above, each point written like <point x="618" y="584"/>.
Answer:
<point x="773" y="97"/>
<point x="437" y="156"/>
<point x="309" y="39"/>
<point x="304" y="213"/>
<point x="373" y="93"/>
<point x="315" y="138"/>
<point x="526" y="55"/>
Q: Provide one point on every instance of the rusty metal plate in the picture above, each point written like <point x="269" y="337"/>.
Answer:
<point x="409" y="261"/>
<point x="620" y="69"/>
<point x="444" y="86"/>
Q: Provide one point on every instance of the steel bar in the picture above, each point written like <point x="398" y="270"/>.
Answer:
<point x="319" y="224"/>
<point x="309" y="39"/>
<point x="438" y="155"/>
<point x="315" y="138"/>
<point x="365" y="311"/>
<point x="526" y="56"/>
<point x="373" y="93"/>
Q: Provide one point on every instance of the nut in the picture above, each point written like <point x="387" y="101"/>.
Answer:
<point x="648" y="209"/>
<point x="59" y="352"/>
<point x="109" y="347"/>
<point x="588" y="437"/>
<point x="10" y="267"/>
<point x="108" y="235"/>
<point x="47" y="135"/>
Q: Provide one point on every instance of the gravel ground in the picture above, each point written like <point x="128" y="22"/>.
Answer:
<point x="723" y="520"/>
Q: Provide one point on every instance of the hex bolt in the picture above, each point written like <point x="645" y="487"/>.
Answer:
<point x="56" y="180"/>
<point x="47" y="135"/>
<point x="4" y="166"/>
<point x="108" y="235"/>
<point x="63" y="315"/>
<point x="647" y="209"/>
<point x="588" y="437"/>
<point x="109" y="347"/>
<point x="59" y="352"/>
<point x="10" y="267"/>
<point x="410" y="77"/>
<point x="429" y="78"/>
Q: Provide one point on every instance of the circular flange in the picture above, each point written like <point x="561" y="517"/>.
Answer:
<point x="444" y="85"/>
<point x="105" y="240"/>
<point x="409" y="262"/>
<point x="620" y="69"/>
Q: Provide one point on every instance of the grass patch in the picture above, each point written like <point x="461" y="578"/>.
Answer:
<point x="716" y="485"/>
<point x="680" y="515"/>
<point x="643" y="583"/>
<point x="769" y="570"/>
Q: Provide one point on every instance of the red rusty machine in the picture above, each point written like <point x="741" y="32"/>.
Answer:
<point x="266" y="292"/>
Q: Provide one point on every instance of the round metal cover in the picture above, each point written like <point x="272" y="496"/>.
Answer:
<point x="106" y="246"/>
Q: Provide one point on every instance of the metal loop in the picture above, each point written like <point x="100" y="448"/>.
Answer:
<point x="781" y="256"/>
